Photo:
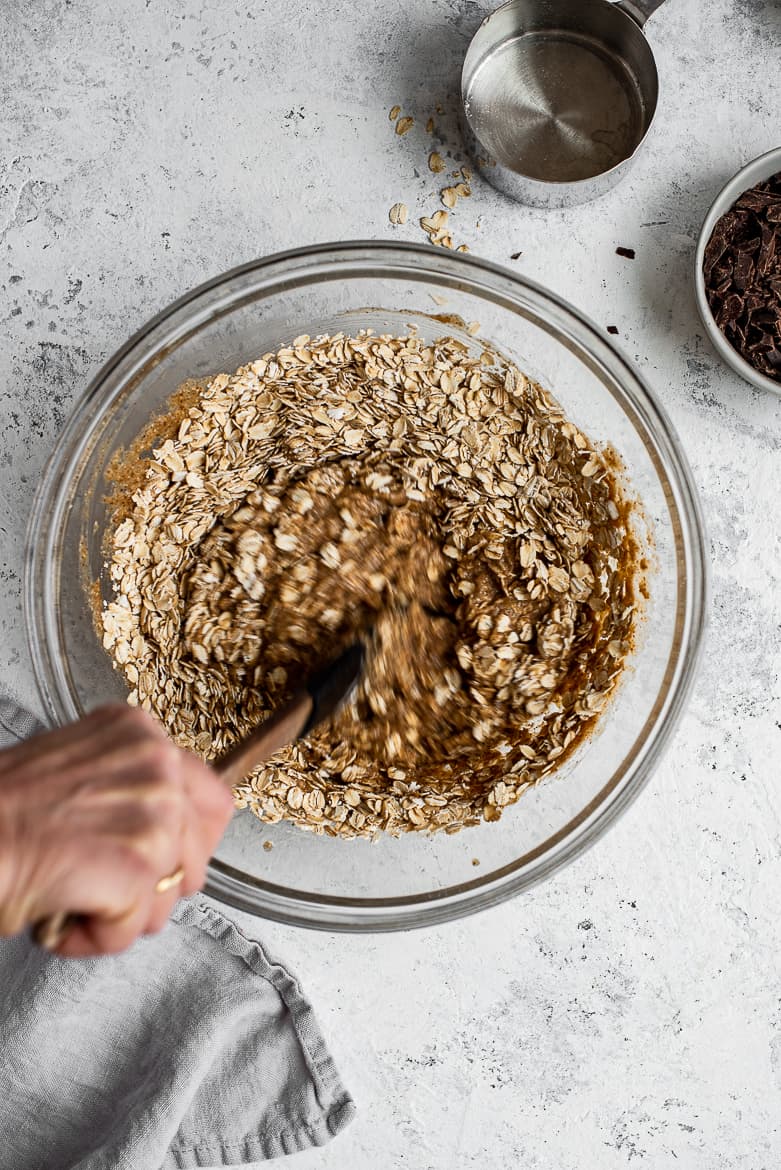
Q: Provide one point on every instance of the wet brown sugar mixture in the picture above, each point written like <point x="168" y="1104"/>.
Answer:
<point x="425" y="496"/>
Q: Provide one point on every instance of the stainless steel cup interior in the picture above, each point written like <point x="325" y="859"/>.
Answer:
<point x="558" y="95"/>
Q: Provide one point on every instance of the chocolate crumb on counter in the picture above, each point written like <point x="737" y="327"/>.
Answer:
<point x="612" y="329"/>
<point x="516" y="255"/>
<point x="629" y="253"/>
<point x="742" y="273"/>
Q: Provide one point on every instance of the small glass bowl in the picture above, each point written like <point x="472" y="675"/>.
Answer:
<point x="416" y="880"/>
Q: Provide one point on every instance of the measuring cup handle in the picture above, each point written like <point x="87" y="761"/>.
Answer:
<point x="639" y="10"/>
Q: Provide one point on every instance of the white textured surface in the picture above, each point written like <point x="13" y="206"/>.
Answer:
<point x="628" y="1012"/>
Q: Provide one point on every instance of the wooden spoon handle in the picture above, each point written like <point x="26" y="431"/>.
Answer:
<point x="50" y="932"/>
<point x="280" y="729"/>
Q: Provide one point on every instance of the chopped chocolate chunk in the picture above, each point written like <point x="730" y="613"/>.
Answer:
<point x="742" y="271"/>
<point x="757" y="199"/>
<point x="612" y="329"/>
<point x="730" y="310"/>
<point x="629" y="253"/>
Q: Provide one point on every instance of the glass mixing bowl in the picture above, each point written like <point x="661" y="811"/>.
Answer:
<point x="416" y="880"/>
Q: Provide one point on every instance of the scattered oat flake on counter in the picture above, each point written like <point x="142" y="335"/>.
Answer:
<point x="268" y="846"/>
<point x="398" y="213"/>
<point x="434" y="223"/>
<point x="436" y="163"/>
<point x="436" y="228"/>
<point x="404" y="124"/>
<point x="462" y="248"/>
<point x="430" y="126"/>
<point x="474" y="326"/>
<point x="394" y="113"/>
<point x="628" y="253"/>
<point x="451" y="195"/>
<point x="475" y="861"/>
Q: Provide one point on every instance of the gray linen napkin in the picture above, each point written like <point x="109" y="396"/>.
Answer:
<point x="192" y="1048"/>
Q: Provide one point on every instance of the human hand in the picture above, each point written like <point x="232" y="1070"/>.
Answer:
<point x="92" y="816"/>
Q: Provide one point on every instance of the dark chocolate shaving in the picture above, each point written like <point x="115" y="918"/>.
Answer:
<point x="742" y="271"/>
<point x="629" y="253"/>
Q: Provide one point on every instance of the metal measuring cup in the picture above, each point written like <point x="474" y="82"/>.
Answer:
<point x="558" y="96"/>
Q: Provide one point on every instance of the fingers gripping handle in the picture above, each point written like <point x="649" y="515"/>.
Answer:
<point x="284" y="726"/>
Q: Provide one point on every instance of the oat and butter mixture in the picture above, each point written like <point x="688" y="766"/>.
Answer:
<point x="425" y="495"/>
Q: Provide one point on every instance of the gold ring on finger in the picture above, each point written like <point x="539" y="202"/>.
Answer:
<point x="170" y="880"/>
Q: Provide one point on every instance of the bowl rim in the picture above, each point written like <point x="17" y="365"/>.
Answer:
<point x="415" y="262"/>
<point x="759" y="168"/>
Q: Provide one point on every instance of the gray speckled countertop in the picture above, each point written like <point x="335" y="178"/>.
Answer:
<point x="628" y="1012"/>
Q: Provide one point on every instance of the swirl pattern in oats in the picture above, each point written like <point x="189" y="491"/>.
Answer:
<point x="425" y="495"/>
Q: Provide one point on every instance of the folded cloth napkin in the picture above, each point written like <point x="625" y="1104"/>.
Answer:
<point x="192" y="1048"/>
